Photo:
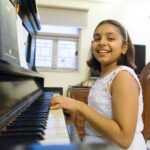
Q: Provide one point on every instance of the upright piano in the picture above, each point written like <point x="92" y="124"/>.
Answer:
<point x="25" y="116"/>
<point x="26" y="121"/>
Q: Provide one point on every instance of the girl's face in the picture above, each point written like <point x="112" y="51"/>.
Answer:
<point x="107" y="45"/>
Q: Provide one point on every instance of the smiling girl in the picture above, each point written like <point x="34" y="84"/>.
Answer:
<point x="115" y="104"/>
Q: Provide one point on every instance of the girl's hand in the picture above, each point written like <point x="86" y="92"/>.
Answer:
<point x="66" y="103"/>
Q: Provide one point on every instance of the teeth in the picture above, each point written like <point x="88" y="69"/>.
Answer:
<point x="102" y="51"/>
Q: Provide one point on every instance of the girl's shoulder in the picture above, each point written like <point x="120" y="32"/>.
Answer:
<point x="122" y="71"/>
<point x="125" y="68"/>
<point x="125" y="71"/>
<point x="129" y="69"/>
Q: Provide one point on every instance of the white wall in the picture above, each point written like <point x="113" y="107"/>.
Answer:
<point x="134" y="15"/>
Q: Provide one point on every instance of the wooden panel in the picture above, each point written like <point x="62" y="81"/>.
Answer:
<point x="145" y="82"/>
<point x="146" y="112"/>
<point x="80" y="94"/>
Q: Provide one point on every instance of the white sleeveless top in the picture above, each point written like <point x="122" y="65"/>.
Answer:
<point x="100" y="99"/>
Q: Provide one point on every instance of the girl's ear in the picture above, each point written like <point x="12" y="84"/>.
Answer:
<point x="125" y="48"/>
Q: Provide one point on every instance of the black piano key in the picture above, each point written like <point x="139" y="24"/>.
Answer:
<point x="22" y="133"/>
<point x="40" y="117"/>
<point x="18" y="140"/>
<point x="35" y="111"/>
<point x="39" y="125"/>
<point x="23" y="130"/>
<point x="36" y="135"/>
<point x="30" y="119"/>
<point x="34" y="118"/>
<point x="30" y="124"/>
<point x="33" y="115"/>
<point x="26" y="123"/>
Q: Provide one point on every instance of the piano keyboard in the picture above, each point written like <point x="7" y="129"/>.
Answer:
<point x="56" y="130"/>
<point x="37" y="124"/>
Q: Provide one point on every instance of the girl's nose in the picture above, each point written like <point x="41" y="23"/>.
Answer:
<point x="102" y="41"/>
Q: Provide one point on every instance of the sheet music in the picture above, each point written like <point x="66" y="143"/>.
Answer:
<point x="22" y="36"/>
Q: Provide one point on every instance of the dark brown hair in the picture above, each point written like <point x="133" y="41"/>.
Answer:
<point x="125" y="59"/>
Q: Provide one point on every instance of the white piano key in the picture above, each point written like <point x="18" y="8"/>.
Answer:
<point x="56" y="130"/>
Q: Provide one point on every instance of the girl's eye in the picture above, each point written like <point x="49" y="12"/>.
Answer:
<point x="111" y="38"/>
<point x="96" y="39"/>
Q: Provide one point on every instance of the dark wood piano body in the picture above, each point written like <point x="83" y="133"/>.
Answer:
<point x="23" y="104"/>
<point x="21" y="90"/>
<point x="24" y="109"/>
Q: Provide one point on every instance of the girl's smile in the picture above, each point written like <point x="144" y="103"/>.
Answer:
<point x="103" y="51"/>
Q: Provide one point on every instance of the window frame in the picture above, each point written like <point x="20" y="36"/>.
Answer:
<point x="67" y="37"/>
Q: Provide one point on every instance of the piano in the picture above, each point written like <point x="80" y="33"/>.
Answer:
<point x="25" y="115"/>
<point x="26" y="121"/>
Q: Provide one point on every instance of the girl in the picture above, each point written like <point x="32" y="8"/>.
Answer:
<point x="114" y="110"/>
